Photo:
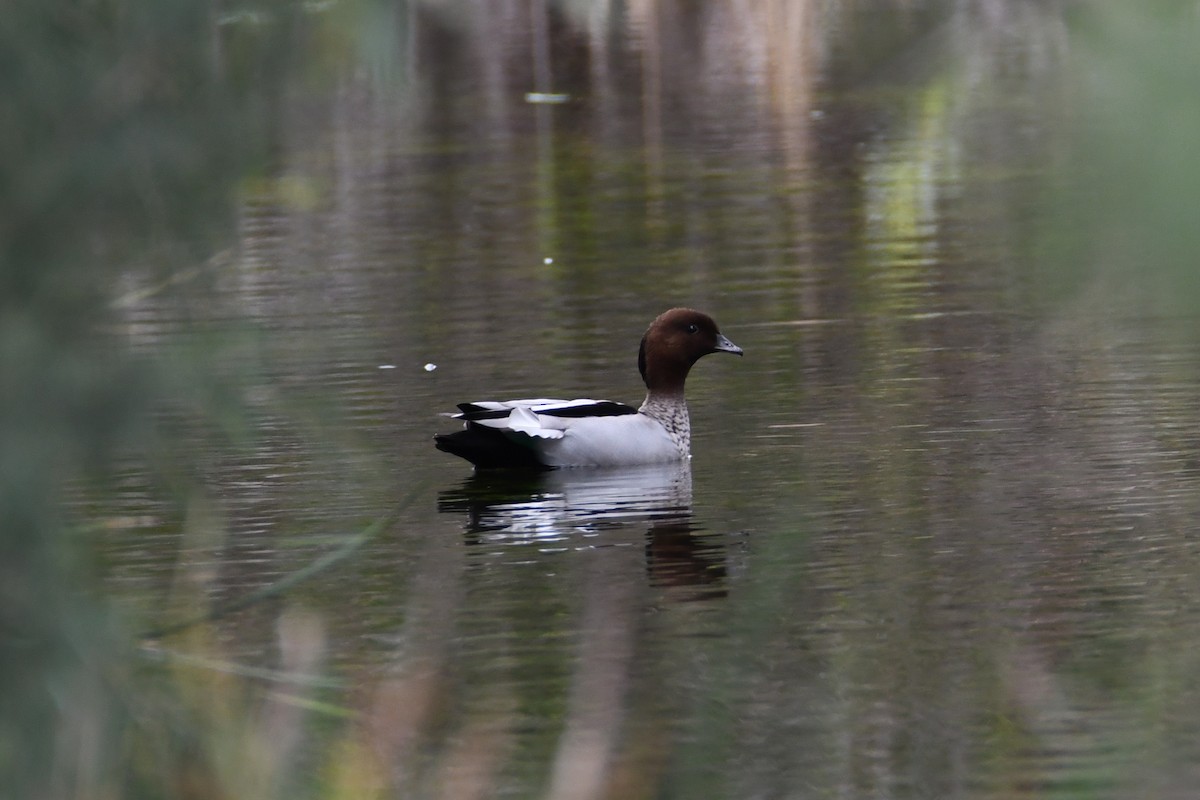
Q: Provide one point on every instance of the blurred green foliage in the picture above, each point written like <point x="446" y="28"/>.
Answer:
<point x="120" y="145"/>
<point x="1131" y="166"/>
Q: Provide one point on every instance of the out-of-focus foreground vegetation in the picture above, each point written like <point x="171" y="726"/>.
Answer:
<point x="126" y="128"/>
<point x="1131" y="170"/>
<point x="129" y="126"/>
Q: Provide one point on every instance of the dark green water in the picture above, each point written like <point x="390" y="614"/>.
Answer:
<point x="938" y="536"/>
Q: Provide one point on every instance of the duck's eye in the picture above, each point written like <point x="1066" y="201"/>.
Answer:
<point x="692" y="328"/>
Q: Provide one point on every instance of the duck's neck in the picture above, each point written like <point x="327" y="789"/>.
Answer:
<point x="670" y="409"/>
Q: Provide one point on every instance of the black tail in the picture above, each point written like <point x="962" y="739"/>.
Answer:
<point x="488" y="448"/>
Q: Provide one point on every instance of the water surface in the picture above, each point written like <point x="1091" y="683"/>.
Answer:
<point x="937" y="536"/>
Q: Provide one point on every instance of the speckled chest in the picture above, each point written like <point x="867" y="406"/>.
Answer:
<point x="672" y="414"/>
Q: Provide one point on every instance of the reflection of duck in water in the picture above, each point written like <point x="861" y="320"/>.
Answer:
<point x="566" y="501"/>
<point x="677" y="554"/>
<point x="543" y="433"/>
<point x="653" y="502"/>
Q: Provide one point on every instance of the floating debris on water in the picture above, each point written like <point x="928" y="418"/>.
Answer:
<point x="546" y="97"/>
<point x="430" y="367"/>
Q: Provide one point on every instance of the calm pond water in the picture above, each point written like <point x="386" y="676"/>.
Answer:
<point x="937" y="538"/>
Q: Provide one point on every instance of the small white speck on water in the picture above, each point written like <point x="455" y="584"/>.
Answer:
<point x="551" y="98"/>
<point x="387" y="366"/>
<point x="430" y="367"/>
<point x="547" y="260"/>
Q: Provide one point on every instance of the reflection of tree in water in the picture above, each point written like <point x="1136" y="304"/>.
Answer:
<point x="600" y="517"/>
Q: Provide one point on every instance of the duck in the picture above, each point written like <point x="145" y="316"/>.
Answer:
<point x="547" y="433"/>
